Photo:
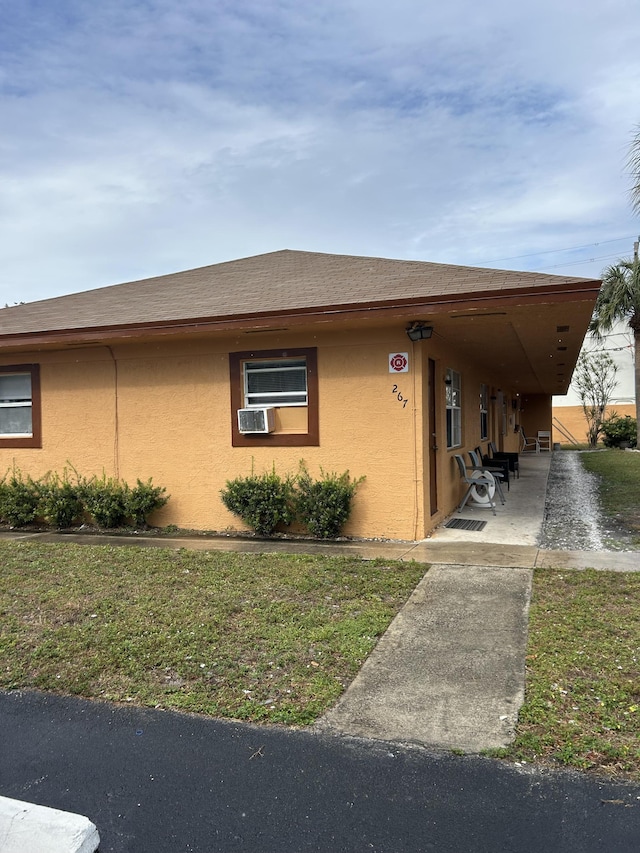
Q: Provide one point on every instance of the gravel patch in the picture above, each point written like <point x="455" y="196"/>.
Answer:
<point x="573" y="517"/>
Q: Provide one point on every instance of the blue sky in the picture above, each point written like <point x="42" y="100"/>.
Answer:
<point x="140" y="138"/>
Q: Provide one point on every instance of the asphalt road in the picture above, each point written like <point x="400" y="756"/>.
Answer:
<point x="157" y="782"/>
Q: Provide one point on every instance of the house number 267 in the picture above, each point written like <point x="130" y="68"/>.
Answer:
<point x="399" y="397"/>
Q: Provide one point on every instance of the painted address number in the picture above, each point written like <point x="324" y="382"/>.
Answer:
<point x="399" y="396"/>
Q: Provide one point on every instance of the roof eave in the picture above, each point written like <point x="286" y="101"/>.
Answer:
<point x="577" y="291"/>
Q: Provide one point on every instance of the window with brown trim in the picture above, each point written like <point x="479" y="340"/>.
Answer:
<point x="484" y="411"/>
<point x="281" y="379"/>
<point x="20" y="413"/>
<point x="453" y="397"/>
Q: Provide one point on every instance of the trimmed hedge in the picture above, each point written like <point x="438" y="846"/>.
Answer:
<point x="62" y="501"/>
<point x="267" y="501"/>
<point x="262" y="501"/>
<point x="324" y="505"/>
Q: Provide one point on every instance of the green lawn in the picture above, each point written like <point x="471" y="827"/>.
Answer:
<point x="618" y="475"/>
<point x="582" y="698"/>
<point x="253" y="637"/>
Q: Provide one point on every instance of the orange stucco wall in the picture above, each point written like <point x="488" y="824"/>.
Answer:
<point x="536" y="413"/>
<point x="162" y="410"/>
<point x="573" y="421"/>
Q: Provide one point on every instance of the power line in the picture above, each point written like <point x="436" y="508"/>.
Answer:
<point x="584" y="261"/>
<point x="551" y="251"/>
<point x="615" y="334"/>
<point x="610" y="349"/>
<point x="614" y="349"/>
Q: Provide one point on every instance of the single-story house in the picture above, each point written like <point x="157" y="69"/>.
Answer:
<point x="385" y="368"/>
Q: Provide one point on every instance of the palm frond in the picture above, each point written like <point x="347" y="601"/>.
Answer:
<point x="619" y="297"/>
<point x="633" y="165"/>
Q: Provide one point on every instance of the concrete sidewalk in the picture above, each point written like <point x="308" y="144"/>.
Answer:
<point x="449" y="671"/>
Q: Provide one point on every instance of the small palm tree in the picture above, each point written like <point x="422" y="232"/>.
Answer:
<point x="619" y="300"/>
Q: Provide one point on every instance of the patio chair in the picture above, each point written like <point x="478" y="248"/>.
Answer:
<point x="529" y="445"/>
<point x="497" y="473"/>
<point x="481" y="487"/>
<point x="511" y="457"/>
<point x="500" y="466"/>
<point x="544" y="439"/>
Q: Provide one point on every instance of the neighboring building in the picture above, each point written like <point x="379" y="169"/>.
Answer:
<point x="145" y="379"/>
<point x="569" y="422"/>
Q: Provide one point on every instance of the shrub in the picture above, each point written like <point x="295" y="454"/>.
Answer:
<point x="60" y="502"/>
<point x="262" y="502"/>
<point x="324" y="505"/>
<point x="618" y="430"/>
<point x="19" y="499"/>
<point x="105" y="500"/>
<point x="142" y="500"/>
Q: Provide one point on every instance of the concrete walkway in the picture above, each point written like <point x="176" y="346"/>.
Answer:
<point x="449" y="671"/>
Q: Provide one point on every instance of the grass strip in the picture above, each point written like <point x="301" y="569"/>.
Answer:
<point x="582" y="696"/>
<point x="618" y="475"/>
<point x="258" y="637"/>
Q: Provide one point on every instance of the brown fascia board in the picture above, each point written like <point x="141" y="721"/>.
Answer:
<point x="578" y="291"/>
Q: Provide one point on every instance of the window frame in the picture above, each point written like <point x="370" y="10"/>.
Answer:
<point x="484" y="411"/>
<point x="35" y="438"/>
<point x="283" y="399"/>
<point x="237" y="387"/>
<point x="454" y="412"/>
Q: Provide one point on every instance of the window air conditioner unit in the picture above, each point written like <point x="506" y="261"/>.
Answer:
<point x="256" y="420"/>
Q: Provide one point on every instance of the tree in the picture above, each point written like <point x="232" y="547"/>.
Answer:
<point x="619" y="300"/>
<point x="595" y="380"/>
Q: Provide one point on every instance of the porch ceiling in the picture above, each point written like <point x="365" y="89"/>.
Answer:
<point x="534" y="348"/>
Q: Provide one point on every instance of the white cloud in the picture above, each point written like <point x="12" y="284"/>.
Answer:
<point x="144" y="138"/>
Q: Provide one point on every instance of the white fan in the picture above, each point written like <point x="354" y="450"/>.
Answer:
<point x="482" y="493"/>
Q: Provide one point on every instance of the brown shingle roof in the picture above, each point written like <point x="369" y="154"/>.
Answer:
<point x="279" y="282"/>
